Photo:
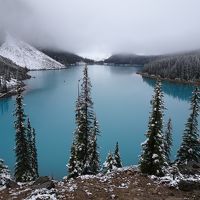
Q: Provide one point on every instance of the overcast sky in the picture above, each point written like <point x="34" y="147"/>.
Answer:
<point x="97" y="28"/>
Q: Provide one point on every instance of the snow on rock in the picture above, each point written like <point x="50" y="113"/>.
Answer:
<point x="27" y="56"/>
<point x="173" y="181"/>
<point x="4" y="174"/>
<point x="42" y="194"/>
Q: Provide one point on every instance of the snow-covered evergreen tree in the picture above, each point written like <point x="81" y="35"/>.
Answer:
<point x="72" y="163"/>
<point x="34" y="161"/>
<point x="4" y="173"/>
<point x="153" y="160"/>
<point x="116" y="156"/>
<point x="168" y="140"/>
<point x="109" y="164"/>
<point x="93" y="149"/>
<point x="84" y="130"/>
<point x="190" y="148"/>
<point x="23" y="170"/>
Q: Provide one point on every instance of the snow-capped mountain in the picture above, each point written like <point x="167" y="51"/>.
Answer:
<point x="27" y="56"/>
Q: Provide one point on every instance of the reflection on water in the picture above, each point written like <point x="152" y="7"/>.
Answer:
<point x="4" y="105"/>
<point x="176" y="90"/>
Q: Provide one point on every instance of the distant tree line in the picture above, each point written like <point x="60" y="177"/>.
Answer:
<point x="130" y="59"/>
<point x="183" y="67"/>
<point x="66" y="58"/>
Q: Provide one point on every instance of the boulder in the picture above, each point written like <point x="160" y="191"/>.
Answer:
<point x="43" y="182"/>
<point x="11" y="184"/>
<point x="188" y="185"/>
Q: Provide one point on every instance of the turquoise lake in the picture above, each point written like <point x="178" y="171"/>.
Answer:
<point x="121" y="102"/>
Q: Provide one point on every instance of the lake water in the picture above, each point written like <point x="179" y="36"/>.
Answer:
<point x="121" y="102"/>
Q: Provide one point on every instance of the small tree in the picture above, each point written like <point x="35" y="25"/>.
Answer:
<point x="34" y="161"/>
<point x="93" y="154"/>
<point x="72" y="172"/>
<point x="190" y="148"/>
<point x="23" y="170"/>
<point x="4" y="173"/>
<point x="109" y="164"/>
<point x="153" y="160"/>
<point x="168" y="140"/>
<point x="117" y="159"/>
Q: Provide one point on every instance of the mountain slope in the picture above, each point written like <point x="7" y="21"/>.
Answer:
<point x="11" y="70"/>
<point x="130" y="59"/>
<point x="66" y="58"/>
<point x="27" y="56"/>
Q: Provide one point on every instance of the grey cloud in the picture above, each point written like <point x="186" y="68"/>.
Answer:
<point x="92" y="27"/>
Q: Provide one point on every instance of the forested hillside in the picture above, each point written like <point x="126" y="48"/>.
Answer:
<point x="8" y="69"/>
<point x="122" y="59"/>
<point x="184" y="67"/>
<point x="66" y="58"/>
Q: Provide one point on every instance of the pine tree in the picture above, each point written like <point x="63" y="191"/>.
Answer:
<point x="32" y="149"/>
<point x="168" y="140"/>
<point x="84" y="130"/>
<point x="109" y="164"/>
<point x="72" y="163"/>
<point x="190" y="148"/>
<point x="34" y="161"/>
<point x="117" y="159"/>
<point x="29" y="142"/>
<point x="93" y="149"/>
<point x="4" y="173"/>
<point x="153" y="160"/>
<point x="23" y="171"/>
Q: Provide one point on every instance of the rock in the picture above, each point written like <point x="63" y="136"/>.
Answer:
<point x="11" y="184"/>
<point x="190" y="168"/>
<point x="188" y="185"/>
<point x="130" y="173"/>
<point x="42" y="179"/>
<point x="43" y="182"/>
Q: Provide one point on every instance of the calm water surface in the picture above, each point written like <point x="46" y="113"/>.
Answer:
<point x="121" y="102"/>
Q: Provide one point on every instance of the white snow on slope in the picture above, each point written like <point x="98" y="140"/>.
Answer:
<point x="27" y="56"/>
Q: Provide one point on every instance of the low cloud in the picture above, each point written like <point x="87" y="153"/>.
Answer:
<point x="102" y="27"/>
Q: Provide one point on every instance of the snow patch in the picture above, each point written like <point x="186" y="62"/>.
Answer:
<point x="42" y="194"/>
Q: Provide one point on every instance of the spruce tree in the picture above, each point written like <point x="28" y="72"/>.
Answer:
<point x="93" y="149"/>
<point x="4" y="173"/>
<point x="84" y="131"/>
<point x="153" y="160"/>
<point x="34" y="161"/>
<point x="72" y="163"/>
<point x="117" y="159"/>
<point x="32" y="149"/>
<point x="23" y="171"/>
<point x="168" y="140"/>
<point x="190" y="148"/>
<point x="109" y="164"/>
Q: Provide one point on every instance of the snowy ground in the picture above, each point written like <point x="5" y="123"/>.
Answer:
<point x="123" y="184"/>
